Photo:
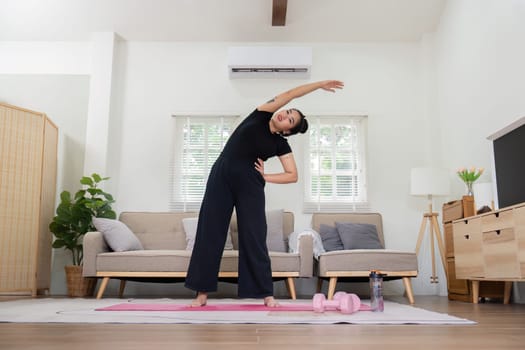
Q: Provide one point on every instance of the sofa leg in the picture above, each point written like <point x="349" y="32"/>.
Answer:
<point x="290" y="285"/>
<point x="408" y="289"/>
<point x="331" y="287"/>
<point x="319" y="284"/>
<point x="102" y="287"/>
<point x="121" y="288"/>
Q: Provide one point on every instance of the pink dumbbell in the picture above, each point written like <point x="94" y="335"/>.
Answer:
<point x="344" y="302"/>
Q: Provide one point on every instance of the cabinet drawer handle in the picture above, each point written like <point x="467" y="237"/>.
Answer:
<point x="498" y="232"/>
<point x="497" y="215"/>
<point x="467" y="236"/>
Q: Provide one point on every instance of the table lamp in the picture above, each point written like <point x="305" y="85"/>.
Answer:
<point x="430" y="182"/>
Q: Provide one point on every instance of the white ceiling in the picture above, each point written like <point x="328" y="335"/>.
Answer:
<point x="219" y="20"/>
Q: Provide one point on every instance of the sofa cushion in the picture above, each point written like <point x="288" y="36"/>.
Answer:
<point x="144" y="261"/>
<point x="330" y="237"/>
<point x="274" y="233"/>
<point x="178" y="261"/>
<point x="158" y="230"/>
<point x="190" y="229"/>
<point x="279" y="226"/>
<point x="367" y="260"/>
<point x="358" y="236"/>
<point x="117" y="235"/>
<point x="358" y="218"/>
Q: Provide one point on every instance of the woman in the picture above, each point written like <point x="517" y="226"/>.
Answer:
<point x="237" y="180"/>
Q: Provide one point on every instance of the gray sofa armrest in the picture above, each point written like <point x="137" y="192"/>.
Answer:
<point x="306" y="253"/>
<point x="93" y="244"/>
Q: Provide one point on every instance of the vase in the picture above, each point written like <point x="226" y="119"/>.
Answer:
<point x="469" y="188"/>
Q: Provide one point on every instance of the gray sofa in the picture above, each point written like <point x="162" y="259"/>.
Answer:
<point x="165" y="256"/>
<point x="356" y="264"/>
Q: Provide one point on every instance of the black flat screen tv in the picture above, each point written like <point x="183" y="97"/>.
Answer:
<point x="509" y="164"/>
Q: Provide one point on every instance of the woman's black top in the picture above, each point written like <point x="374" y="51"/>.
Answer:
<point x="253" y="139"/>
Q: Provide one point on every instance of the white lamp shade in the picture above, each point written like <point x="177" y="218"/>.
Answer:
<point x="429" y="181"/>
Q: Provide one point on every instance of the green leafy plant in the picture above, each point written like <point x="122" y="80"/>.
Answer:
<point x="469" y="175"/>
<point x="74" y="215"/>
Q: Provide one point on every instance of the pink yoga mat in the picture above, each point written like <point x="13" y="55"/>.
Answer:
<point x="216" y="307"/>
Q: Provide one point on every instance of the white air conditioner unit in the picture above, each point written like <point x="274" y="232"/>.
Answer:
<point x="269" y="62"/>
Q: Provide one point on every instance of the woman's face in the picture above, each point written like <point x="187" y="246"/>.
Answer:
<point x="285" y="120"/>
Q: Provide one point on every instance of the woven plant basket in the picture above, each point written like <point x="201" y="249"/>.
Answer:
<point x="78" y="286"/>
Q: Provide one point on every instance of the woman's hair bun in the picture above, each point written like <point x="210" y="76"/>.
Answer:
<point x="304" y="126"/>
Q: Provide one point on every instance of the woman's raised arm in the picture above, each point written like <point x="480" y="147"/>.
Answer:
<point x="282" y="99"/>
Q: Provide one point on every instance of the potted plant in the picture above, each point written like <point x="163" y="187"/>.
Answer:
<point x="73" y="220"/>
<point x="469" y="176"/>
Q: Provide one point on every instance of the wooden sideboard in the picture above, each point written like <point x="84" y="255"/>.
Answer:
<point x="491" y="247"/>
<point x="458" y="288"/>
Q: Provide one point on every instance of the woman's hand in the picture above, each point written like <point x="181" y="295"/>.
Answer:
<point x="259" y="166"/>
<point x="289" y="174"/>
<point x="331" y="85"/>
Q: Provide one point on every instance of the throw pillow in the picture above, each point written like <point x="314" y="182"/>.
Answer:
<point x="274" y="232"/>
<point x="330" y="238"/>
<point x="190" y="229"/>
<point x="117" y="235"/>
<point x="358" y="236"/>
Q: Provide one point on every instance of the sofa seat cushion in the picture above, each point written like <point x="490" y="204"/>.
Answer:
<point x="366" y="260"/>
<point x="179" y="260"/>
<point x="281" y="262"/>
<point x="144" y="261"/>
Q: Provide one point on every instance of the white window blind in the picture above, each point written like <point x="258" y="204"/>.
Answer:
<point x="198" y="141"/>
<point x="335" y="169"/>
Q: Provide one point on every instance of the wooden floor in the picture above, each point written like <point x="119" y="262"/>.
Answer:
<point x="499" y="327"/>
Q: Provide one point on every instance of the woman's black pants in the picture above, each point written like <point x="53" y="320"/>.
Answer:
<point x="232" y="184"/>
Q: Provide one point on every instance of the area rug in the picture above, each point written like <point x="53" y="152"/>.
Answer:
<point x="78" y="310"/>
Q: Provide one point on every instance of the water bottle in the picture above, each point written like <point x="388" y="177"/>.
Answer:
<point x="376" y="291"/>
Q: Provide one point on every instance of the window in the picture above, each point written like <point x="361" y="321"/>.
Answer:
<point x="198" y="141"/>
<point x="335" y="164"/>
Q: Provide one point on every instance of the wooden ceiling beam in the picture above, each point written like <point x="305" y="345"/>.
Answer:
<point x="279" y="12"/>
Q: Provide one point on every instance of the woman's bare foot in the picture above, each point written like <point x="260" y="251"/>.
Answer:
<point x="200" y="300"/>
<point x="270" y="302"/>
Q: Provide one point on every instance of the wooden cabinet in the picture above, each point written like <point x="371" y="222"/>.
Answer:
<point x="491" y="247"/>
<point x="463" y="258"/>
<point x="469" y="260"/>
<point x="28" y="162"/>
<point x="491" y="244"/>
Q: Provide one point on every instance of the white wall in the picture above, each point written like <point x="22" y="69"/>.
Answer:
<point x="480" y="70"/>
<point x="30" y="57"/>
<point x="429" y="103"/>
<point x="480" y="55"/>
<point x="64" y="99"/>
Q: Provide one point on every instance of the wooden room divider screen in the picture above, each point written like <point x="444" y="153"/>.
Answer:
<point x="28" y="167"/>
